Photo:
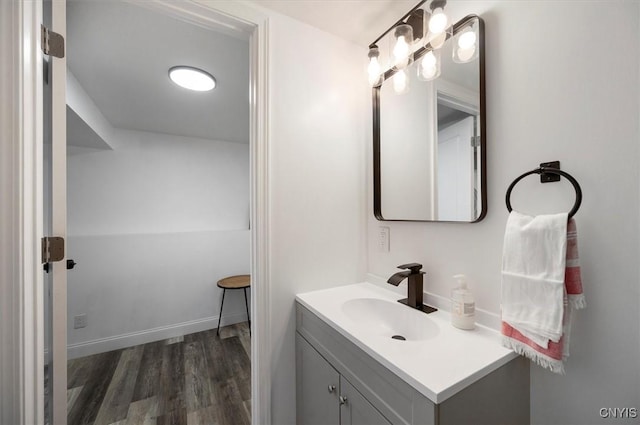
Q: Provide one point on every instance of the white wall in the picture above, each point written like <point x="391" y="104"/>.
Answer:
<point x="406" y="146"/>
<point x="557" y="89"/>
<point x="81" y="104"/>
<point x="155" y="183"/>
<point x="138" y="288"/>
<point x="318" y="103"/>
<point x="153" y="224"/>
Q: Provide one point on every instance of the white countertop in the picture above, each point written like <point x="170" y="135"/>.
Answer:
<point x="438" y="367"/>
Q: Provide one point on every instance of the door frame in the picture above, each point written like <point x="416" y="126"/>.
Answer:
<point x="21" y="333"/>
<point x="21" y="305"/>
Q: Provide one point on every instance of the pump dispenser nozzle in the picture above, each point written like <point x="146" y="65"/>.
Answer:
<point x="462" y="281"/>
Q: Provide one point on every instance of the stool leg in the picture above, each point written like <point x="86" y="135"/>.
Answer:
<point x="220" y="316"/>
<point x="246" y="304"/>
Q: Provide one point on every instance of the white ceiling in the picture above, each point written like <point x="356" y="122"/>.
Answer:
<point x="359" y="21"/>
<point x="121" y="53"/>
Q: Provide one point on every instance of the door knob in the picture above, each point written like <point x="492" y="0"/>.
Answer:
<point x="331" y="388"/>
<point x="343" y="400"/>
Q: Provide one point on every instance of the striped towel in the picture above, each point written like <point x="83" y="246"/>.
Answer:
<point x="553" y="356"/>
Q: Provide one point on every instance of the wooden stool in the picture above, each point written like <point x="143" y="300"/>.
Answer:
<point x="242" y="281"/>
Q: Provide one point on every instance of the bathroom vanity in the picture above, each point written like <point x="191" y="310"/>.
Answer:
<point x="362" y="358"/>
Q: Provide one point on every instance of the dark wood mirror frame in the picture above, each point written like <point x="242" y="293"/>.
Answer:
<point x="377" y="195"/>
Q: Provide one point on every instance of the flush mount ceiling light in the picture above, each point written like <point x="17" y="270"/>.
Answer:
<point x="192" y="78"/>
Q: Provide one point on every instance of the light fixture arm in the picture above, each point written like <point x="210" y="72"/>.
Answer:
<point x="435" y="4"/>
<point x="400" y="21"/>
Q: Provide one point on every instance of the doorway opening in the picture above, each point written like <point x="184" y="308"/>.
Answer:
<point x="158" y="213"/>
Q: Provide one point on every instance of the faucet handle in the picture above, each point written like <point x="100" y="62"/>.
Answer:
<point x="414" y="267"/>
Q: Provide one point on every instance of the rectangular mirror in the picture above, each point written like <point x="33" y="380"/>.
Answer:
<point x="429" y="140"/>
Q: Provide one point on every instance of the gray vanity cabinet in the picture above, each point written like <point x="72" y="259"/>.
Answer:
<point x="326" y="398"/>
<point x="373" y="395"/>
<point x="318" y="385"/>
<point x="355" y="409"/>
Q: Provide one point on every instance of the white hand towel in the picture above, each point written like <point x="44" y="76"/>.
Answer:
<point x="533" y="268"/>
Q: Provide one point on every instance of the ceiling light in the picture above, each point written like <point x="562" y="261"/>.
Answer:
<point x="192" y="78"/>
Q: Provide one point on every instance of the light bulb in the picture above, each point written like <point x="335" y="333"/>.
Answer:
<point x="429" y="59"/>
<point x="429" y="67"/>
<point x="400" y="82"/>
<point x="464" y="55"/>
<point x="467" y="40"/>
<point x="401" y="51"/>
<point x="438" y="22"/>
<point x="374" y="69"/>
<point x="428" y="72"/>
<point x="401" y="46"/>
<point x="466" y="46"/>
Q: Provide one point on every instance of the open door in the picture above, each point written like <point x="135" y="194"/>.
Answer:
<point x="54" y="212"/>
<point x="456" y="174"/>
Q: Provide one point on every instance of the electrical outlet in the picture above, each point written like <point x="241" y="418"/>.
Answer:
<point x="383" y="239"/>
<point x="80" y="321"/>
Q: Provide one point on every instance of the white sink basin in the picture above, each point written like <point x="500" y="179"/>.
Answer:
<point x="390" y="319"/>
<point x="436" y="359"/>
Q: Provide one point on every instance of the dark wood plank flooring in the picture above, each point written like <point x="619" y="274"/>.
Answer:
<point x="198" y="379"/>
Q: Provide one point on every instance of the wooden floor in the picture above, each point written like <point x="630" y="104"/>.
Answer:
<point x="198" y="379"/>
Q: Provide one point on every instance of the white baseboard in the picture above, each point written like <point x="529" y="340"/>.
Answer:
<point x="131" y="339"/>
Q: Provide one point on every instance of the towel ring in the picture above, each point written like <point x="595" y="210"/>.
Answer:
<point x="556" y="171"/>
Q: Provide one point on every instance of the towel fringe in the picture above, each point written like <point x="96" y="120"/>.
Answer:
<point x="553" y="365"/>
<point x="577" y="301"/>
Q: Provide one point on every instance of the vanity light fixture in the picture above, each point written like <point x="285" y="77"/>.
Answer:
<point x="192" y="78"/>
<point x="407" y="34"/>
<point x="420" y="34"/>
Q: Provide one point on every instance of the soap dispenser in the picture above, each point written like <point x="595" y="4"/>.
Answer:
<point x="463" y="306"/>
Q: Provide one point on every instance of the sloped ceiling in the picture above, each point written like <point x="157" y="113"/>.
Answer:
<point x="121" y="53"/>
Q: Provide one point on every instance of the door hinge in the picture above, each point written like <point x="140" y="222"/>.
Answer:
<point x="52" y="249"/>
<point x="52" y="42"/>
<point x="475" y="141"/>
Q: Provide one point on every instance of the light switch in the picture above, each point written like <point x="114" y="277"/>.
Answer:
<point x="383" y="239"/>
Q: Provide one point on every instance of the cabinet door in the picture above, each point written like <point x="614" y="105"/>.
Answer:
<point x="317" y="387"/>
<point x="355" y="409"/>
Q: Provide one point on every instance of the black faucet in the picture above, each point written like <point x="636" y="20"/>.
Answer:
<point x="414" y="273"/>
